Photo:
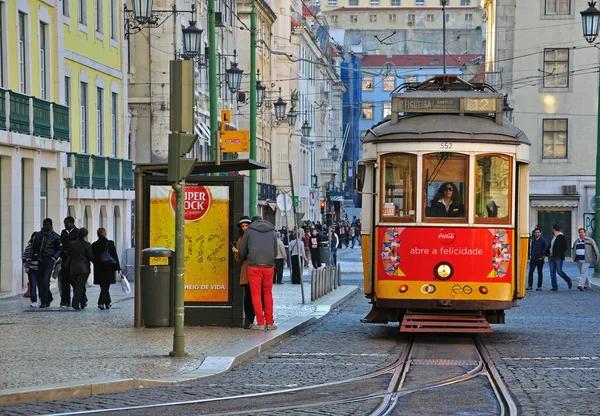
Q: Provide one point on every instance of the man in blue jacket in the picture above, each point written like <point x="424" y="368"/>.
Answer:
<point x="46" y="250"/>
<point x="259" y="246"/>
<point x="539" y="245"/>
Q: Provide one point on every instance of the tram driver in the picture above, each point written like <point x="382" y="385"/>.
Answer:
<point x="446" y="202"/>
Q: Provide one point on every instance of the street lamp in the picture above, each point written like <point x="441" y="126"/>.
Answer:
<point x="234" y="77"/>
<point x="142" y="10"/>
<point x="260" y="93"/>
<point x="292" y="116"/>
<point x="143" y="16"/>
<point x="305" y="128"/>
<point x="335" y="153"/>
<point x="507" y="109"/>
<point x="280" y="109"/>
<point x="589" y="22"/>
<point x="192" y="38"/>
<point x="590" y="18"/>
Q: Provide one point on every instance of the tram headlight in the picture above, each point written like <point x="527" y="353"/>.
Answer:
<point x="443" y="270"/>
<point x="403" y="288"/>
<point x="483" y="290"/>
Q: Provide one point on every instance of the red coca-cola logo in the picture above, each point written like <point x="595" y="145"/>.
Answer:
<point x="197" y="202"/>
<point x="446" y="237"/>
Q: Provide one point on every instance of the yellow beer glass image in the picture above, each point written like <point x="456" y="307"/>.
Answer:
<point x="206" y="269"/>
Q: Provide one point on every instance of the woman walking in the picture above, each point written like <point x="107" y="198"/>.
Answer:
<point x="79" y="258"/>
<point x="104" y="273"/>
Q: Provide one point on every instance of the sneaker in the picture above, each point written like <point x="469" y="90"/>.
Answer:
<point x="553" y="290"/>
<point x="248" y="325"/>
<point x="65" y="305"/>
<point x="580" y="288"/>
<point x="108" y="307"/>
<point x="33" y="305"/>
<point x="258" y="327"/>
<point x="539" y="289"/>
<point x="272" y="327"/>
<point x="529" y="288"/>
<point x="101" y="307"/>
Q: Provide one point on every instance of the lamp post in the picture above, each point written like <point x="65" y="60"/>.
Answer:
<point x="305" y="129"/>
<point x="507" y="109"/>
<point x="280" y="109"/>
<point x="590" y="19"/>
<point x="292" y="116"/>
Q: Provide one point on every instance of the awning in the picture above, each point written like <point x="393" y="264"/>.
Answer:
<point x="202" y="131"/>
<point x="554" y="201"/>
<point x="204" y="167"/>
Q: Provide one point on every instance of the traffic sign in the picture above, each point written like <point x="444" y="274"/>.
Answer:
<point x="235" y="141"/>
<point x="296" y="201"/>
<point x="589" y="223"/>
<point x="284" y="202"/>
<point x="225" y="118"/>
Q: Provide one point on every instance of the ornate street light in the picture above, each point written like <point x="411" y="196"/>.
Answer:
<point x="305" y="129"/>
<point x="142" y="10"/>
<point x="192" y="38"/>
<point x="234" y="77"/>
<point x="590" y="18"/>
<point x="507" y="109"/>
<point x="292" y="116"/>
<point x="142" y="16"/>
<point x="260" y="93"/>
<point x="280" y="109"/>
<point x="335" y="152"/>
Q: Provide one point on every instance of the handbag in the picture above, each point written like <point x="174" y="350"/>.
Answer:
<point x="107" y="259"/>
<point x="125" y="283"/>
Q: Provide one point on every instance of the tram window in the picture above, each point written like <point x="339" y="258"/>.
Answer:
<point x="399" y="187"/>
<point x="445" y="179"/>
<point x="492" y="188"/>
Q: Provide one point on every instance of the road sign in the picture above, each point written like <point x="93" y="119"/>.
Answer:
<point x="235" y="141"/>
<point x="225" y="118"/>
<point x="296" y="201"/>
<point x="589" y="223"/>
<point x="284" y="202"/>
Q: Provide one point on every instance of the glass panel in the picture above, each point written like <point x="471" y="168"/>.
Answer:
<point x="563" y="6"/>
<point x="367" y="83"/>
<point x="445" y="184"/>
<point x="492" y="186"/>
<point x="389" y="82"/>
<point x="400" y="187"/>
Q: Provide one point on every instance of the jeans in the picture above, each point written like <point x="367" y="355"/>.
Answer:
<point x="261" y="283"/>
<point x="536" y="264"/>
<point x="315" y="257"/>
<point x="33" y="284"/>
<point x="333" y="256"/>
<point x="556" y="267"/>
<point x="44" y="273"/>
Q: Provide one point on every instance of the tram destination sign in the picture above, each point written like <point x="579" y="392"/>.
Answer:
<point x="428" y="105"/>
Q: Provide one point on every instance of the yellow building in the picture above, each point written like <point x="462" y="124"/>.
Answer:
<point x="63" y="150"/>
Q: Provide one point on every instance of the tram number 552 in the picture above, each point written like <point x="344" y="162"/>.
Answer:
<point x="446" y="146"/>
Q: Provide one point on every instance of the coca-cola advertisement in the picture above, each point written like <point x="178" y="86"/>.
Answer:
<point x="476" y="254"/>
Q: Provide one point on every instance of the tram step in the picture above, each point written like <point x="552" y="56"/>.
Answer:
<point x="444" y="323"/>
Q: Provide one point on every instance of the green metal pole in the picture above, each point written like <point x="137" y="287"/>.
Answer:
<point x="178" y="334"/>
<point x="253" y="181"/>
<point x="597" y="196"/>
<point x="212" y="80"/>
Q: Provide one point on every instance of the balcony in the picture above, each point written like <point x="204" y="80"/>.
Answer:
<point x="267" y="192"/>
<point x="329" y="166"/>
<point x="25" y="114"/>
<point x="100" y="172"/>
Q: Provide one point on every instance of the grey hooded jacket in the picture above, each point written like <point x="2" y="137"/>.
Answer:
<point x="259" y="244"/>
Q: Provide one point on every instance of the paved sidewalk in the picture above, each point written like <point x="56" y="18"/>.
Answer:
<point x="59" y="353"/>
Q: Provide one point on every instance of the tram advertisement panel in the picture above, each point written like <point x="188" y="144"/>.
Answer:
<point x="206" y="244"/>
<point x="476" y="254"/>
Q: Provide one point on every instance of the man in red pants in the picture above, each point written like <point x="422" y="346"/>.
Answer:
<point x="259" y="246"/>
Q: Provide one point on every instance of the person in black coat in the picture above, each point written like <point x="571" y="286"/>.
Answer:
<point x="79" y="258"/>
<point x="69" y="234"/>
<point x="446" y="202"/>
<point x="104" y="274"/>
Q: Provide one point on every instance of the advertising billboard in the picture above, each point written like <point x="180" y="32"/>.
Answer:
<point x="206" y="268"/>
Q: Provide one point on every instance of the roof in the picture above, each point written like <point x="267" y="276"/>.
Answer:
<point x="445" y="127"/>
<point x="204" y="167"/>
<point x="418" y="60"/>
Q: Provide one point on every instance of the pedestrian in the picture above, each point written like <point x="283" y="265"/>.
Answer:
<point x="334" y="246"/>
<point x="296" y="251"/>
<point x="70" y="233"/>
<point x="342" y="232"/>
<point x="279" y="259"/>
<point x="104" y="273"/>
<point x="31" y="268"/>
<point x="259" y="246"/>
<point x="314" y="244"/>
<point x="584" y="252"/>
<point x="358" y="227"/>
<point x="80" y="257"/>
<point x="539" y="245"/>
<point x="306" y="243"/>
<point x="352" y="235"/>
<point x="243" y="224"/>
<point x="46" y="251"/>
<point x="558" y="246"/>
<point x="286" y="242"/>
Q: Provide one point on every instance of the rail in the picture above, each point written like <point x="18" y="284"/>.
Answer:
<point x="323" y="281"/>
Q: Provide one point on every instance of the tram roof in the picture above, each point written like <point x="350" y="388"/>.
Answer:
<point x="445" y="127"/>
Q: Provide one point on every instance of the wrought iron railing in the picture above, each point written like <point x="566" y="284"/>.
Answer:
<point x="127" y="173"/>
<point x="114" y="173"/>
<point x="2" y="109"/>
<point x="81" y="170"/>
<point x="61" y="122"/>
<point x="98" y="172"/>
<point x="19" y="112"/>
<point x="267" y="192"/>
<point x="41" y="118"/>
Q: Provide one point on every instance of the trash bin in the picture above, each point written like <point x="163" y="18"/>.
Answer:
<point x="324" y="252"/>
<point x="156" y="285"/>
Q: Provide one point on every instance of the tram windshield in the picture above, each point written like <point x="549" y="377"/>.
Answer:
<point x="492" y="187"/>
<point x="445" y="181"/>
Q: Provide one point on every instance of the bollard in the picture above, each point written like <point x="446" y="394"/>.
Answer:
<point x="335" y="282"/>
<point x="339" y="275"/>
<point x="312" y="285"/>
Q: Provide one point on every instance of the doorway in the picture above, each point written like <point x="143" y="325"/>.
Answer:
<point x="562" y="218"/>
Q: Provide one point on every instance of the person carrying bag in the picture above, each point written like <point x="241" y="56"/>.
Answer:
<point x="105" y="267"/>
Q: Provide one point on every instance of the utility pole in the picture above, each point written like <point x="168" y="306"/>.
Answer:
<point x="179" y="167"/>
<point x="212" y="81"/>
<point x="253" y="181"/>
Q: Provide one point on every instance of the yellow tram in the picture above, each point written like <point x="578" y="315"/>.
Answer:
<point x="444" y="183"/>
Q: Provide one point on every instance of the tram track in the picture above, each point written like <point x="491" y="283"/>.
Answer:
<point x="339" y="392"/>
